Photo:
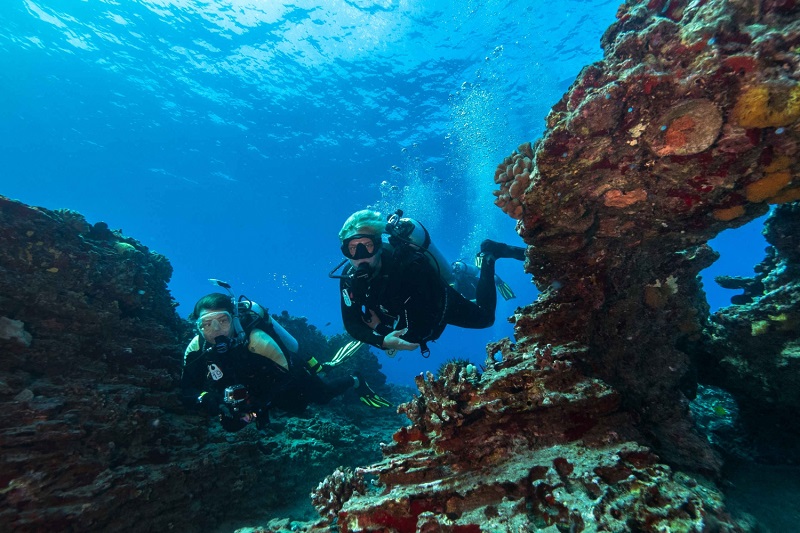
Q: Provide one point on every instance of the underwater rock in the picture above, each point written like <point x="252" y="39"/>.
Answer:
<point x="752" y="349"/>
<point x="619" y="216"/>
<point x="92" y="427"/>
<point x="531" y="444"/>
<point x="14" y="329"/>
<point x="687" y="128"/>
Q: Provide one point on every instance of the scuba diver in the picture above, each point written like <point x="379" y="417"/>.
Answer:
<point x="398" y="295"/>
<point x="243" y="363"/>
<point x="466" y="278"/>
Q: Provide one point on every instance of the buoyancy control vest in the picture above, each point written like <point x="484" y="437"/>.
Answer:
<point x="407" y="232"/>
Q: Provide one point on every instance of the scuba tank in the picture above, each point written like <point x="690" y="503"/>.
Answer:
<point x="263" y="319"/>
<point x="407" y="231"/>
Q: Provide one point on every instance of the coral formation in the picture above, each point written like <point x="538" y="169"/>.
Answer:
<point x="533" y="443"/>
<point x="693" y="130"/>
<point x="333" y="491"/>
<point x="768" y="105"/>
<point x="91" y="424"/>
<point x="751" y="349"/>
<point x="687" y="127"/>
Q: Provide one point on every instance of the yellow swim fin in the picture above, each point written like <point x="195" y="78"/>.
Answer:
<point x="504" y="289"/>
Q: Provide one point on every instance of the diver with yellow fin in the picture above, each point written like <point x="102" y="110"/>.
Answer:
<point x="397" y="289"/>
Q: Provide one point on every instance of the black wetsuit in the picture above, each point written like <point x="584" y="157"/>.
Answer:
<point x="268" y="384"/>
<point x="408" y="293"/>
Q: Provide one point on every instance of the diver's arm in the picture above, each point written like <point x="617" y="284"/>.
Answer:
<point x="355" y="326"/>
<point x="193" y="374"/>
<point x="353" y="322"/>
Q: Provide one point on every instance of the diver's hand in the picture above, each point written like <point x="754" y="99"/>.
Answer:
<point x="392" y="341"/>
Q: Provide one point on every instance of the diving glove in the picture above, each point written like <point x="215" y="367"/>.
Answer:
<point x="368" y="396"/>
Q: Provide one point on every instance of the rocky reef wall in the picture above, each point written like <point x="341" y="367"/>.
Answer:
<point x="752" y="349"/>
<point x="688" y="126"/>
<point x="92" y="431"/>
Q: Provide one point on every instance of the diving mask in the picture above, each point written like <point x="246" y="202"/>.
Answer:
<point x="361" y="246"/>
<point x="214" y="323"/>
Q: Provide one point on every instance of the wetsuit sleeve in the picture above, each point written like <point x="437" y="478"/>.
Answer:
<point x="193" y="375"/>
<point x="423" y="307"/>
<point x="351" y="317"/>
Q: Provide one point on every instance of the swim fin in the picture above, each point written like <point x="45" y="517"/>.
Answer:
<point x="343" y="354"/>
<point x="505" y="290"/>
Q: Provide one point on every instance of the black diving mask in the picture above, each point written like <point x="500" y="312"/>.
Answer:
<point x="361" y="246"/>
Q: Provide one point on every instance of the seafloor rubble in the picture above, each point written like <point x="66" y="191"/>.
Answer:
<point x="92" y="432"/>
<point x="688" y="126"/>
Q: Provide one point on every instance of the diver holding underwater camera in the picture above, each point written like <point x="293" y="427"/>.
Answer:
<point x="242" y="363"/>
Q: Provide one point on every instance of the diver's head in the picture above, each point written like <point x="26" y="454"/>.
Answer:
<point x="213" y="316"/>
<point x="364" y="221"/>
<point x="361" y="238"/>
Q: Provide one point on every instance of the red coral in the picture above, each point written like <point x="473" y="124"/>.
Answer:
<point x="613" y="474"/>
<point x="677" y="133"/>
<point x="406" y="435"/>
<point x="740" y="64"/>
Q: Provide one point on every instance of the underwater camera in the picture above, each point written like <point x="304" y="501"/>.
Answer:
<point x="235" y="394"/>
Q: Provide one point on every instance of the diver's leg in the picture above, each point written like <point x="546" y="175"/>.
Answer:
<point x="500" y="250"/>
<point x="486" y="293"/>
<point x="320" y="391"/>
<point x="467" y="314"/>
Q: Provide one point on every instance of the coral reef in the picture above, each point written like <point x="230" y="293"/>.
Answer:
<point x="532" y="443"/>
<point x="688" y="126"/>
<point x="91" y="424"/>
<point x="752" y="349"/>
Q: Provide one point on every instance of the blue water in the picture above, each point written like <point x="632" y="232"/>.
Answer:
<point x="235" y="136"/>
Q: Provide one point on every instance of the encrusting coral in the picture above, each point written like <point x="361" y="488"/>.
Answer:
<point x="688" y="126"/>
<point x="533" y="443"/>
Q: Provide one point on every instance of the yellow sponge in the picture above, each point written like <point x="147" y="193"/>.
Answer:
<point x="767" y="106"/>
